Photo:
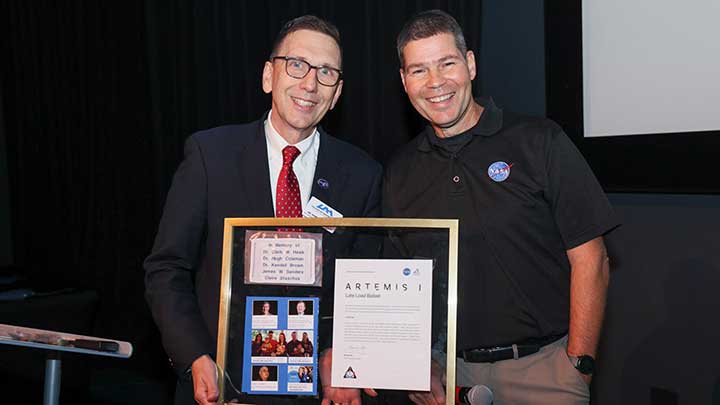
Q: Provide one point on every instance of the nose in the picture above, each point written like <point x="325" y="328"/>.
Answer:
<point x="309" y="82"/>
<point x="435" y="78"/>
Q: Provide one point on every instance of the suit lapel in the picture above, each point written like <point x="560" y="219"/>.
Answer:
<point x="330" y="174"/>
<point x="255" y="174"/>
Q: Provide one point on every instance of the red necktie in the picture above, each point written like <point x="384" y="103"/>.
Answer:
<point x="287" y="197"/>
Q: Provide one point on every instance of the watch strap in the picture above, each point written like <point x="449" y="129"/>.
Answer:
<point x="585" y="363"/>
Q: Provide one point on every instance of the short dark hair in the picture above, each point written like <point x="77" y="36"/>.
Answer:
<point x="425" y="24"/>
<point x="307" y="22"/>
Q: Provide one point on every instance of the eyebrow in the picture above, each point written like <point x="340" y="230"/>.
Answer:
<point x="434" y="62"/>
<point x="305" y="60"/>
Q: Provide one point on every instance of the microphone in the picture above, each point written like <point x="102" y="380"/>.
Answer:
<point x="475" y="395"/>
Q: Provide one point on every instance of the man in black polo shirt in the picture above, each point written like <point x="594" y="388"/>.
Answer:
<point x="533" y="270"/>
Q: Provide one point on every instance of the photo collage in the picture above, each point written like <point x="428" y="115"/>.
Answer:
<point x="280" y="349"/>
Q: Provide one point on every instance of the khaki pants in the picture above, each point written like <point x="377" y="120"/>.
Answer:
<point x="546" y="377"/>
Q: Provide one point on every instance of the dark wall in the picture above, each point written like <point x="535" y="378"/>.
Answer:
<point x="661" y="328"/>
<point x="512" y="57"/>
<point x="6" y="256"/>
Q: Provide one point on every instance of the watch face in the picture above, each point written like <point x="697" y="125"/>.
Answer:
<point x="585" y="364"/>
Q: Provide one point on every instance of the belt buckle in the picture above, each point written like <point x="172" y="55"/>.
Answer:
<point x="487" y="355"/>
<point x="499" y="353"/>
<point x="475" y="355"/>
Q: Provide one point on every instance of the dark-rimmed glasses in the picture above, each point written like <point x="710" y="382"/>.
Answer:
<point x="298" y="68"/>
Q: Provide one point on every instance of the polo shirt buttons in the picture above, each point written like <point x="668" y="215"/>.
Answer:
<point x="456" y="179"/>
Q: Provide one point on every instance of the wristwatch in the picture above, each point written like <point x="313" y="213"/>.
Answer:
<point x="585" y="364"/>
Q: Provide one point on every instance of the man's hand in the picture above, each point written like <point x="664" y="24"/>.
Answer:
<point x="436" y="395"/>
<point x="204" y="375"/>
<point x="332" y="395"/>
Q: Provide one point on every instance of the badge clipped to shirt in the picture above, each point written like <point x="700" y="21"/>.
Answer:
<point x="318" y="209"/>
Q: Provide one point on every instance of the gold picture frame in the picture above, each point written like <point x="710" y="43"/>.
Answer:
<point x="451" y="225"/>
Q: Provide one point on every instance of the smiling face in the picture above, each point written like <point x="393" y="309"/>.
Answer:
<point x="298" y="105"/>
<point x="264" y="373"/>
<point x="437" y="78"/>
<point x="266" y="308"/>
<point x="300" y="307"/>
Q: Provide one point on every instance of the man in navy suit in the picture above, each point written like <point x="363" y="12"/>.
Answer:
<point x="233" y="171"/>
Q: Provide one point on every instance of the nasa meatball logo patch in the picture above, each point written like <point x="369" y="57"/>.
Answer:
<point x="499" y="171"/>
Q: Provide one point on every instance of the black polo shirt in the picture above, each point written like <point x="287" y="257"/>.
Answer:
<point x="524" y="195"/>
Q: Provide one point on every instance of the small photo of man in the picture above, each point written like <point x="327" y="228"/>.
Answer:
<point x="268" y="345"/>
<point x="300" y="308"/>
<point x="264" y="314"/>
<point x="264" y="308"/>
<point x="300" y="314"/>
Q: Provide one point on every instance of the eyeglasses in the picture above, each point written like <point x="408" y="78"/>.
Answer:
<point x="298" y="68"/>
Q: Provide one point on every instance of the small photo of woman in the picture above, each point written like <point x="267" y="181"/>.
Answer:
<point x="305" y="374"/>
<point x="257" y="343"/>
<point x="281" y="348"/>
<point x="264" y="373"/>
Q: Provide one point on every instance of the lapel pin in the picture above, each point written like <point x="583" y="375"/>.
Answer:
<point x="324" y="184"/>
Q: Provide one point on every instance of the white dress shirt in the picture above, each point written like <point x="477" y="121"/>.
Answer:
<point x="303" y="166"/>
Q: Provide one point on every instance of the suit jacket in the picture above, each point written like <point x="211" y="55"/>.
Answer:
<point x="225" y="174"/>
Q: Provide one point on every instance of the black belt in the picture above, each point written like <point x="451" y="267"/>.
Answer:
<point x="515" y="351"/>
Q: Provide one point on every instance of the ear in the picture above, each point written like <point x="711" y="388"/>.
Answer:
<point x="336" y="97"/>
<point x="267" y="77"/>
<point x="470" y="58"/>
<point x="402" y="78"/>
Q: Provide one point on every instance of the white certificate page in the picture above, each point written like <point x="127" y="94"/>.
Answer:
<point x="381" y="328"/>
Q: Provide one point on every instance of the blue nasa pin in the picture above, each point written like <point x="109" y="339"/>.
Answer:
<point x="324" y="184"/>
<point x="499" y="171"/>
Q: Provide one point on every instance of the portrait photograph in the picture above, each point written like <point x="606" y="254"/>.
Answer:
<point x="300" y="308"/>
<point x="264" y="308"/>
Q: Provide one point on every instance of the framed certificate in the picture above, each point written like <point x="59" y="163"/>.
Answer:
<point x="424" y="251"/>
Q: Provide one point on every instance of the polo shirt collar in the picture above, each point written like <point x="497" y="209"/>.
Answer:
<point x="489" y="124"/>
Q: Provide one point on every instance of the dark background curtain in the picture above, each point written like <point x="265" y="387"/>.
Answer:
<point x="98" y="98"/>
